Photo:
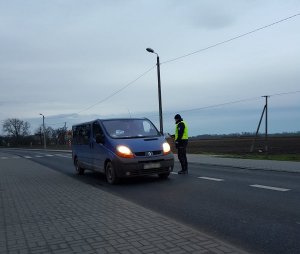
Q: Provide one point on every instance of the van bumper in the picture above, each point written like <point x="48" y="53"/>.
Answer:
<point x="143" y="166"/>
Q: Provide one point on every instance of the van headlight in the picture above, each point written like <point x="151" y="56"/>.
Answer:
<point x="166" y="148"/>
<point x="124" y="152"/>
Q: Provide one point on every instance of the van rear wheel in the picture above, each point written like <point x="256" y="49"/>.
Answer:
<point x="78" y="168"/>
<point x="111" y="174"/>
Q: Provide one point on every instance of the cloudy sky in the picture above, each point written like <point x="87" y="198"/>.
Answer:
<point x="77" y="60"/>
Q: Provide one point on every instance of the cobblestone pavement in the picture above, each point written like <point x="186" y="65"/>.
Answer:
<point x="44" y="211"/>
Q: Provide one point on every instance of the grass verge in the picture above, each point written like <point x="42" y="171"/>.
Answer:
<point x="277" y="157"/>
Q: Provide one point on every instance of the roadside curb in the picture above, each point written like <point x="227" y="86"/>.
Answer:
<point x="247" y="168"/>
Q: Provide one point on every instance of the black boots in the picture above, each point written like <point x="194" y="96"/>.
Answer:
<point x="184" y="169"/>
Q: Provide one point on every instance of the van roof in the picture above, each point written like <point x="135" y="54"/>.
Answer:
<point x="112" y="119"/>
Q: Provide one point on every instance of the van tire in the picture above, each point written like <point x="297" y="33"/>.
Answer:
<point x="78" y="168"/>
<point x="111" y="174"/>
<point x="164" y="175"/>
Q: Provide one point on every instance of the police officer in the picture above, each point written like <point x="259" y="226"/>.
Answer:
<point x="181" y="141"/>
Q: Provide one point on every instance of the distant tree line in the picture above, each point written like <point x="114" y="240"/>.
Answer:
<point x="244" y="135"/>
<point x="17" y="133"/>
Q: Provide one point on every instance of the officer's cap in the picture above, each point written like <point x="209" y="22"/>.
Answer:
<point x="177" y="117"/>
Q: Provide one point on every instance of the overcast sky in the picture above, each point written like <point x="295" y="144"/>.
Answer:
<point x="76" y="60"/>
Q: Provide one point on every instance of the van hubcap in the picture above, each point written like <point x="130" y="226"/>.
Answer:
<point x="77" y="166"/>
<point x="109" y="173"/>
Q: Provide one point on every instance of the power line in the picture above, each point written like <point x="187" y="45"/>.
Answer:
<point x="231" y="102"/>
<point x="62" y="123"/>
<point x="213" y="106"/>
<point x="118" y="91"/>
<point x="238" y="101"/>
<point x="113" y="94"/>
<point x="221" y="104"/>
<point x="229" y="40"/>
<point x="280" y="94"/>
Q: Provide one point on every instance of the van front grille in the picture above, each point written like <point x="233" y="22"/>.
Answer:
<point x="150" y="171"/>
<point x="148" y="153"/>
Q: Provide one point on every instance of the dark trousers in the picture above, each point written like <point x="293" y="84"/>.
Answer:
<point x="182" y="154"/>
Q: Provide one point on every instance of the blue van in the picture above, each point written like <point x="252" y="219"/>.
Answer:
<point x="124" y="147"/>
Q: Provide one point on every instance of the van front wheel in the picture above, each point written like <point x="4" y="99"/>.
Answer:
<point x="164" y="175"/>
<point x="111" y="174"/>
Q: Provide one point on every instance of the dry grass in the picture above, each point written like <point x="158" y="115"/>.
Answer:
<point x="279" y="148"/>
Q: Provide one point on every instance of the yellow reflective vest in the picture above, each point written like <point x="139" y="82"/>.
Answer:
<point x="185" y="131"/>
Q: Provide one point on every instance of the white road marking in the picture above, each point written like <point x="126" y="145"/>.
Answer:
<point x="64" y="156"/>
<point x="40" y="156"/>
<point x="269" y="187"/>
<point x="211" y="179"/>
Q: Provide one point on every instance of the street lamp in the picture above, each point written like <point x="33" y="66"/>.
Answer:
<point x="44" y="130"/>
<point x="159" y="90"/>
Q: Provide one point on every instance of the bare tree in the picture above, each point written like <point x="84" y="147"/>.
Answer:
<point x="16" y="128"/>
<point x="38" y="132"/>
<point x="59" y="135"/>
<point x="53" y="136"/>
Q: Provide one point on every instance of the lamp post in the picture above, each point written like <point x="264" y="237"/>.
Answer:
<point x="44" y="130"/>
<point x="159" y="90"/>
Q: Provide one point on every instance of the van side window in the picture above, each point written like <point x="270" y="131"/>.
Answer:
<point x="81" y="134"/>
<point x="97" y="130"/>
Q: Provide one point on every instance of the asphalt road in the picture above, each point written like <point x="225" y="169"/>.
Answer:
<point x="255" y="210"/>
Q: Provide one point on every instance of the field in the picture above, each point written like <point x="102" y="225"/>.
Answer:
<point x="281" y="148"/>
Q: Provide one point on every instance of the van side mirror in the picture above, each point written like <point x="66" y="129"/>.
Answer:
<point x="99" y="139"/>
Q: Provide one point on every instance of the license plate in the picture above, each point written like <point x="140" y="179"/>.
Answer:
<point x="151" y="165"/>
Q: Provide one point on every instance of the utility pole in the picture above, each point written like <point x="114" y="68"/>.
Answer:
<point x="45" y="146"/>
<point x="265" y="110"/>
<point x="161" y="128"/>
<point x="41" y="138"/>
<point x="159" y="96"/>
<point x="266" y="124"/>
<point x="65" y="134"/>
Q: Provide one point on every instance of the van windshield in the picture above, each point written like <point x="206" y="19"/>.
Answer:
<point x="130" y="128"/>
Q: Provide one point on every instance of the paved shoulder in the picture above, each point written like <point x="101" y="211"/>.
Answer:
<point x="287" y="166"/>
<point x="44" y="211"/>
